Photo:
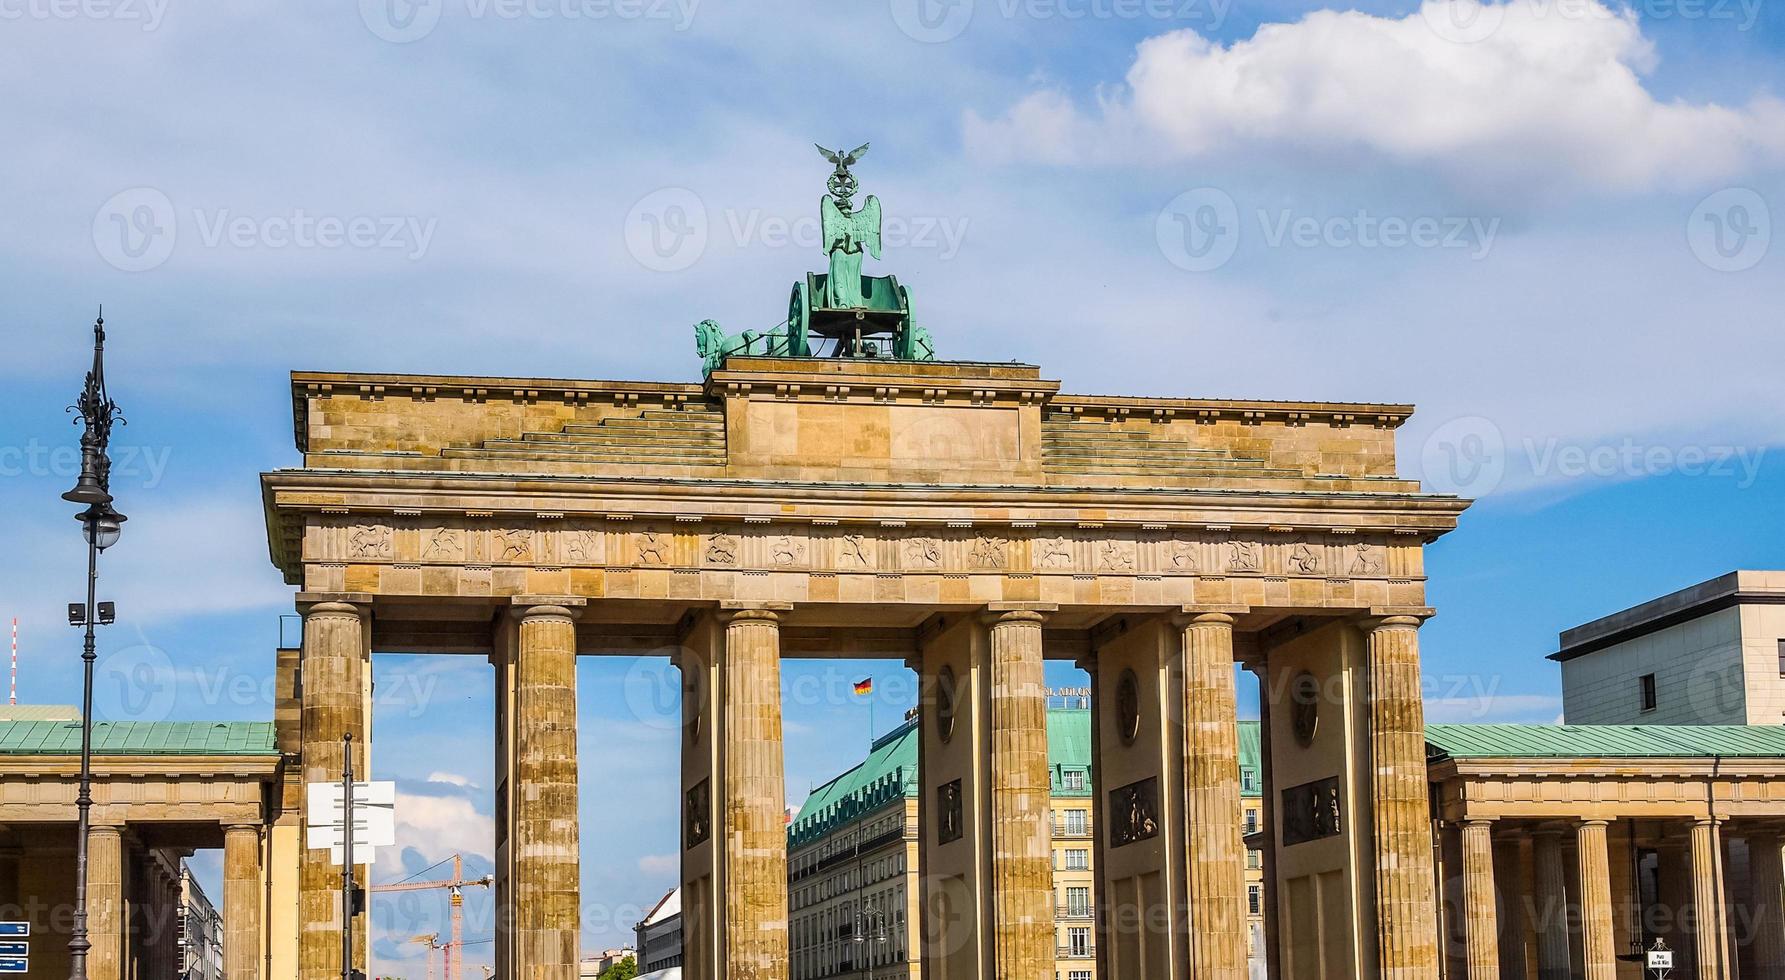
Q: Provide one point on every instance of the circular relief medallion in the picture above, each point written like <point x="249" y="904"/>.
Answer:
<point x="1304" y="707"/>
<point x="947" y="703"/>
<point x="1128" y="707"/>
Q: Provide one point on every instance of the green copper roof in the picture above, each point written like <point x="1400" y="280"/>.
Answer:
<point x="890" y="773"/>
<point x="1603" y="741"/>
<point x="139" y="738"/>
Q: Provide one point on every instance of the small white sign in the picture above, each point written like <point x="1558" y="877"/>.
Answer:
<point x="374" y="819"/>
<point x="1660" y="959"/>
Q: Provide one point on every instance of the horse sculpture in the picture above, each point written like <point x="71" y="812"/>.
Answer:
<point x="713" y="344"/>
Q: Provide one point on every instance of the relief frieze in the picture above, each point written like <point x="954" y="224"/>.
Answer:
<point x="1017" y="550"/>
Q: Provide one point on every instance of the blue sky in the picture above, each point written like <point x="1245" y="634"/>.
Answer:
<point x="1548" y="224"/>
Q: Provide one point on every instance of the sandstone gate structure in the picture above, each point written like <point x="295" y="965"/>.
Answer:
<point x="969" y="518"/>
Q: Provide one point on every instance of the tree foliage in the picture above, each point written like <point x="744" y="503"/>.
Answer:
<point x="626" y="969"/>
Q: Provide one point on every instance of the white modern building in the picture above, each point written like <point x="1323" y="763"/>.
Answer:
<point x="1712" y="654"/>
<point x="660" y="935"/>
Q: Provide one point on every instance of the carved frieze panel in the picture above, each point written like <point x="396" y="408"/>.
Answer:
<point x="762" y="545"/>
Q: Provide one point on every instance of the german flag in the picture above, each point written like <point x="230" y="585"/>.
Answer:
<point x="864" y="687"/>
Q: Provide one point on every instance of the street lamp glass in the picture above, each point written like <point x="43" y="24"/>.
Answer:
<point x="102" y="527"/>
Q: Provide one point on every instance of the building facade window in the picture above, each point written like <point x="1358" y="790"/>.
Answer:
<point x="1077" y="859"/>
<point x="1648" y="692"/>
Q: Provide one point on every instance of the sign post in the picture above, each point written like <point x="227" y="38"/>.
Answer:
<point x="343" y="817"/>
<point x="347" y="857"/>
<point x="1659" y="960"/>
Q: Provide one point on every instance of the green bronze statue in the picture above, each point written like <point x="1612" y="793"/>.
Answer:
<point x="847" y="232"/>
<point x="860" y="316"/>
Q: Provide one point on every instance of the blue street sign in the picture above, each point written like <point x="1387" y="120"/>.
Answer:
<point x="15" y="949"/>
<point x="14" y="964"/>
<point x="15" y="930"/>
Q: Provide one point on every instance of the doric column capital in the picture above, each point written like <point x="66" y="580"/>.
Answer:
<point x="1382" y="618"/>
<point x="750" y="611"/>
<point x="242" y="828"/>
<point x="334" y="605"/>
<point x="528" y="608"/>
<point x="1208" y="615"/>
<point x="1017" y="613"/>
<point x="1599" y="822"/>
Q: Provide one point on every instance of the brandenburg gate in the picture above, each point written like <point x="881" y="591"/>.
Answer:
<point x="872" y="501"/>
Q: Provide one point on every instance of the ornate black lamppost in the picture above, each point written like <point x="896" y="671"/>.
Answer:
<point x="100" y="524"/>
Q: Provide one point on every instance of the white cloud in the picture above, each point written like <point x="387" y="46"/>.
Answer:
<point x="1551" y="97"/>
<point x="439" y="826"/>
<point x="452" y="779"/>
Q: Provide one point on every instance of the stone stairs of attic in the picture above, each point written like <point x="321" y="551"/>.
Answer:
<point x="683" y="437"/>
<point x="1072" y="445"/>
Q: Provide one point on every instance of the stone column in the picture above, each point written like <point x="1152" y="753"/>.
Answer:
<point x="1599" y="951"/>
<point x="754" y="797"/>
<point x="1216" y="850"/>
<point x="546" y="886"/>
<point x="241" y="902"/>
<point x="1711" y="954"/>
<point x="1480" y="919"/>
<point x="1766" y="873"/>
<point x="1100" y="918"/>
<point x="1551" y="895"/>
<point x="1273" y="953"/>
<point x="1022" y="865"/>
<point x="335" y="652"/>
<point x="1406" y="909"/>
<point x="105" y="902"/>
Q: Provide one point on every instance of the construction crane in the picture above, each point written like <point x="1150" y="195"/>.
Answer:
<point x="432" y="941"/>
<point x="456" y="899"/>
